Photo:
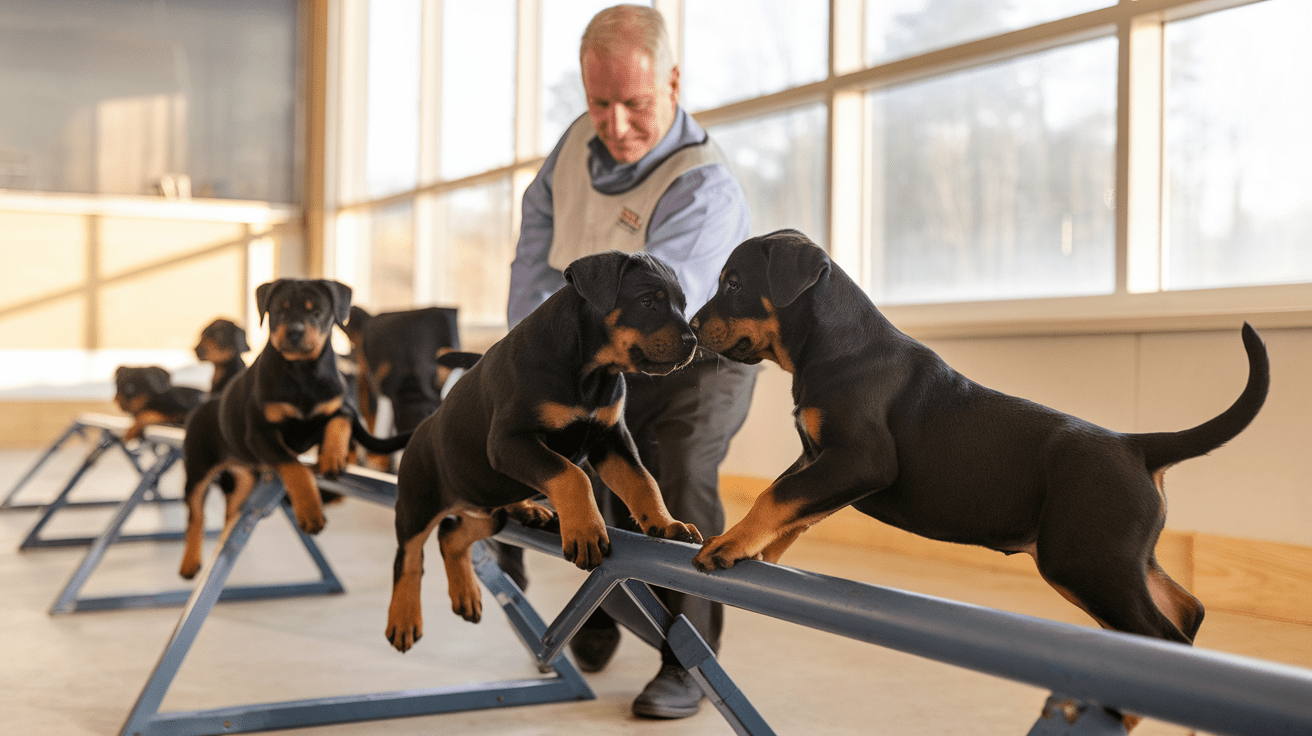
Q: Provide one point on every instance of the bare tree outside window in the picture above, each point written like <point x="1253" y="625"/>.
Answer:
<point x="1238" y="155"/>
<point x="996" y="182"/>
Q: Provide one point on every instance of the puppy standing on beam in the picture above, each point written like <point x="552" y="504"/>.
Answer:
<point x="888" y="428"/>
<point x="524" y="417"/>
<point x="289" y="400"/>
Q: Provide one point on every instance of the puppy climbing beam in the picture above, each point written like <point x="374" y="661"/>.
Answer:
<point x="1215" y="692"/>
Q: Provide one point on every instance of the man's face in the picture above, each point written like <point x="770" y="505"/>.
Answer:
<point x="631" y="108"/>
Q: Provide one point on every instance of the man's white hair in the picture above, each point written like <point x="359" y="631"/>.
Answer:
<point x="623" y="25"/>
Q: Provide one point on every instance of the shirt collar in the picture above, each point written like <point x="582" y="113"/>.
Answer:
<point x="610" y="177"/>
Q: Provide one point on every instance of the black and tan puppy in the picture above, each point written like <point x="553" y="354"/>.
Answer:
<point x="398" y="353"/>
<point x="222" y="343"/>
<point x="290" y="400"/>
<point x="148" y="394"/>
<point x="547" y="397"/>
<point x="889" y="428"/>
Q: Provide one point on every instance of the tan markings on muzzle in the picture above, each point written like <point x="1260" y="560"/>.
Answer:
<point x="310" y="347"/>
<point x="131" y="405"/>
<point x="664" y="345"/>
<point x="719" y="334"/>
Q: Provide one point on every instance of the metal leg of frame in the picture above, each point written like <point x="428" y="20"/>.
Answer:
<point x="76" y="428"/>
<point x="69" y="600"/>
<point x="33" y="538"/>
<point x="650" y="620"/>
<point x="146" y="720"/>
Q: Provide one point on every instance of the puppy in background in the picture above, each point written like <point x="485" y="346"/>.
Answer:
<point x="148" y="394"/>
<point x="222" y="343"/>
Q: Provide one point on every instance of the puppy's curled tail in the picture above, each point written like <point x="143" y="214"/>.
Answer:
<point x="378" y="445"/>
<point x="1163" y="449"/>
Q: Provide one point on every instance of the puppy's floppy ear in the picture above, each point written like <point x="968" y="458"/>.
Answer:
<point x="597" y="278"/>
<point x="239" y="339"/>
<point x="793" y="265"/>
<point x="341" y="296"/>
<point x="264" y="295"/>
<point x="158" y="379"/>
<point x="118" y="373"/>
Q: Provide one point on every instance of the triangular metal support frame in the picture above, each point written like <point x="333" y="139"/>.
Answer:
<point x="111" y="429"/>
<point x="145" y="719"/>
<point x="70" y="600"/>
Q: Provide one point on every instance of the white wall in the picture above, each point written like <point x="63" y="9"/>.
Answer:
<point x="1259" y="486"/>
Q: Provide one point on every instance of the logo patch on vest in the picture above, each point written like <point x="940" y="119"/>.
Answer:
<point x="630" y="220"/>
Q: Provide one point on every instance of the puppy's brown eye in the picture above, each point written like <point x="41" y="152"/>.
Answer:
<point x="647" y="302"/>
<point x="731" y="286"/>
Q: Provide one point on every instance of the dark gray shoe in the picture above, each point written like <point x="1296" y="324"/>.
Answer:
<point x="593" y="647"/>
<point x="673" y="693"/>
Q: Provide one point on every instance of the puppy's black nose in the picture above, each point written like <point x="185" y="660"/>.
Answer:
<point x="295" y="331"/>
<point x="689" y="340"/>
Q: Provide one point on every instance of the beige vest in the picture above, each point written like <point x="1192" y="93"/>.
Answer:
<point x="585" y="221"/>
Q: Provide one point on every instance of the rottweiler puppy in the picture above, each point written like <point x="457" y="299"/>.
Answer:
<point x="148" y="394"/>
<point x="222" y="343"/>
<point x="888" y="428"/>
<point x="290" y="400"/>
<point x="397" y="354"/>
<point x="522" y="420"/>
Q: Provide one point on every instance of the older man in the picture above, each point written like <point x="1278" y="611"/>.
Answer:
<point x="637" y="172"/>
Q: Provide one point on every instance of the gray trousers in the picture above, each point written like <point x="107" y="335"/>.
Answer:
<point x="682" y="424"/>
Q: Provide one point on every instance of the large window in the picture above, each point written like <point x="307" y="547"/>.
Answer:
<point x="184" y="98"/>
<point x="1238" y="153"/>
<point x="738" y="49"/>
<point x="997" y="182"/>
<point x="1037" y="164"/>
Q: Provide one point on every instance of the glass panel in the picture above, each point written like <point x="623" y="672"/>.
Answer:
<point x="478" y="86"/>
<point x="998" y="182"/>
<point x="1238" y="156"/>
<point x="392" y="252"/>
<point x="473" y="248"/>
<point x="392" y="137"/>
<point x="165" y="97"/>
<point x="563" y="22"/>
<point x="128" y="243"/>
<point x="59" y="324"/>
<point x="167" y="307"/>
<point x="896" y="29"/>
<point x="736" y="49"/>
<point x="780" y="161"/>
<point x="43" y="255"/>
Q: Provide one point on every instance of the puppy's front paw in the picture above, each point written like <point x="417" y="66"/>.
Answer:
<point x="586" y="551"/>
<point x="530" y="514"/>
<point x="311" y="520"/>
<point x="676" y="530"/>
<point x="331" y="463"/>
<point x="719" y="554"/>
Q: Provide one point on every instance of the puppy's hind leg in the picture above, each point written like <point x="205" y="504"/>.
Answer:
<point x="242" y="480"/>
<point x="405" y="620"/>
<point x="455" y="536"/>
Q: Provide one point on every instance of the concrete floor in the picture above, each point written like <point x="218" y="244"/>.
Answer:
<point x="80" y="674"/>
